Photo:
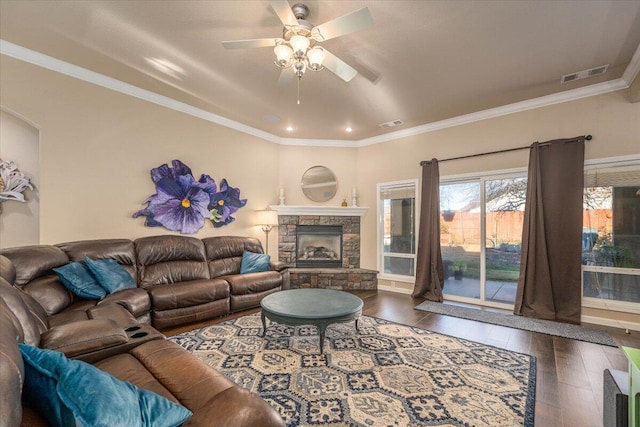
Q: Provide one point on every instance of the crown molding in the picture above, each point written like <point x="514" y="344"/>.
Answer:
<point x="517" y="107"/>
<point x="633" y="68"/>
<point x="53" y="64"/>
<point x="23" y="54"/>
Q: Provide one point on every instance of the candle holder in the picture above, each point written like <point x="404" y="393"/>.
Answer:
<point x="281" y="200"/>
<point x="354" y="201"/>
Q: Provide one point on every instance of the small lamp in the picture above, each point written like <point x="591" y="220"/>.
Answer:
<point x="267" y="219"/>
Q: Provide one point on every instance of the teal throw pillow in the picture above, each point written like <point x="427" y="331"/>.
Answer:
<point x="79" y="280"/>
<point x="110" y="275"/>
<point x="253" y="263"/>
<point x="70" y="392"/>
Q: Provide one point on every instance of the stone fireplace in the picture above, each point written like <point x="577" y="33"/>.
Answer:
<point x="322" y="250"/>
<point x="288" y="226"/>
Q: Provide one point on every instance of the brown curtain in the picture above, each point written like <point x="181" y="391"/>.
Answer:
<point x="550" y="266"/>
<point x="429" y="271"/>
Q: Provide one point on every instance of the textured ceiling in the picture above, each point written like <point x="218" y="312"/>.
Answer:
<point x="422" y="61"/>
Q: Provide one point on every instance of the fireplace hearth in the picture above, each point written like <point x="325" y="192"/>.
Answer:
<point x="319" y="246"/>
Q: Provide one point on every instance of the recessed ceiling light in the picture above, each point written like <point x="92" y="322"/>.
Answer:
<point x="349" y="129"/>
<point x="290" y="128"/>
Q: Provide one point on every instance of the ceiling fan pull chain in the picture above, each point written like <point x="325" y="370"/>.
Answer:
<point x="299" y="90"/>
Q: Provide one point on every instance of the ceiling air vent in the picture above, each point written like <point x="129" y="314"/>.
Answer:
<point x="595" y="71"/>
<point x="391" y="124"/>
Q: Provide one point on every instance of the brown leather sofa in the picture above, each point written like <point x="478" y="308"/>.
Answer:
<point x="180" y="279"/>
<point x="153" y="363"/>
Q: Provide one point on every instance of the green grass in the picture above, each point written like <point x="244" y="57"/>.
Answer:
<point x="497" y="272"/>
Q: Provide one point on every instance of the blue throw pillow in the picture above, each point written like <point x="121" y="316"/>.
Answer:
<point x="110" y="275"/>
<point x="70" y="392"/>
<point x="253" y="263"/>
<point x="75" y="277"/>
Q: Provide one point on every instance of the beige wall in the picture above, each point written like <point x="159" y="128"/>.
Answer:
<point x="20" y="222"/>
<point x="295" y="160"/>
<point x="98" y="146"/>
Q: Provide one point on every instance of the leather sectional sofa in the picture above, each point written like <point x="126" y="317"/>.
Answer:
<point x="179" y="280"/>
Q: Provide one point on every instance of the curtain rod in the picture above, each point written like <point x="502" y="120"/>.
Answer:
<point x="425" y="162"/>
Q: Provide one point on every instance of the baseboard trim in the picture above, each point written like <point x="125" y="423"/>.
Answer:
<point x="604" y="321"/>
<point x="396" y="290"/>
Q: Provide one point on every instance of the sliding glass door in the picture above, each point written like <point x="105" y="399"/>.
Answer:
<point x="481" y="232"/>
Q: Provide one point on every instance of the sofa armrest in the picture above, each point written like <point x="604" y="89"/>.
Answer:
<point x="136" y="300"/>
<point x="84" y="336"/>
<point x="235" y="407"/>
<point x="115" y="312"/>
<point x="277" y="266"/>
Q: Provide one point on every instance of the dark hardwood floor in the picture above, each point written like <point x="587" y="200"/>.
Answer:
<point x="569" y="372"/>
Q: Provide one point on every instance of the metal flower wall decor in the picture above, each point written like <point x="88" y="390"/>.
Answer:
<point x="12" y="182"/>
<point x="183" y="204"/>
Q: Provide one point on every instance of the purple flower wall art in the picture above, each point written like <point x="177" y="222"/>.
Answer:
<point x="183" y="204"/>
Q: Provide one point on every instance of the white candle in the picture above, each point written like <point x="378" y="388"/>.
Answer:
<point x="282" y="192"/>
<point x="353" y="192"/>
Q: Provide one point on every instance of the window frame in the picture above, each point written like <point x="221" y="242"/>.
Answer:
<point x="380" y="230"/>
<point x="603" y="303"/>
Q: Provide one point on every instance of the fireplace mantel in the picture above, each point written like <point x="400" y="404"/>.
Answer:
<point x="320" y="210"/>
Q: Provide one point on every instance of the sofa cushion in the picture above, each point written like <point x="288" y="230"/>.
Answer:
<point x="32" y="262"/>
<point x="254" y="263"/>
<point x="74" y="313"/>
<point x="110" y="275"/>
<point x="79" y="280"/>
<point x="67" y="392"/>
<point x="122" y="250"/>
<point x="7" y="270"/>
<point x="187" y="294"/>
<point x="241" y="284"/>
<point x="30" y="324"/>
<point x="50" y="293"/>
<point x="170" y="259"/>
<point x="11" y="368"/>
<point x="224" y="254"/>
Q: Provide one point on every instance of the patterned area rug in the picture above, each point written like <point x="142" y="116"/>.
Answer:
<point x="386" y="374"/>
<point x="548" y="327"/>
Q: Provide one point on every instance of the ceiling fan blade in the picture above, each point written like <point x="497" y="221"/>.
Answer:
<point x="284" y="12"/>
<point x="241" y="44"/>
<point x="338" y="67"/>
<point x="286" y="77"/>
<point x="349" y="23"/>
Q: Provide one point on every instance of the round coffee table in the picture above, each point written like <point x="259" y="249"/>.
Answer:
<point x="318" y="307"/>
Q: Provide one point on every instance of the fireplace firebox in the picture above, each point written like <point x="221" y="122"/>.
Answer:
<point x="319" y="246"/>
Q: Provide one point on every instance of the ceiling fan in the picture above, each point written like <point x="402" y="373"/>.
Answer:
<point x="299" y="50"/>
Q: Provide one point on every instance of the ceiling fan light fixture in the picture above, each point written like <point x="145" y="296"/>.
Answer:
<point x="299" y="44"/>
<point x="315" y="57"/>
<point x="299" y="67"/>
<point x="284" y="55"/>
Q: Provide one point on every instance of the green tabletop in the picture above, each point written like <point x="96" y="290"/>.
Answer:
<point x="311" y="303"/>
<point x="318" y="307"/>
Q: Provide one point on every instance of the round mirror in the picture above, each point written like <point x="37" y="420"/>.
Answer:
<point x="319" y="184"/>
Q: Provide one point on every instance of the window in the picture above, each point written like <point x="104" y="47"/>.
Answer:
<point x="397" y="230"/>
<point x="611" y="238"/>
